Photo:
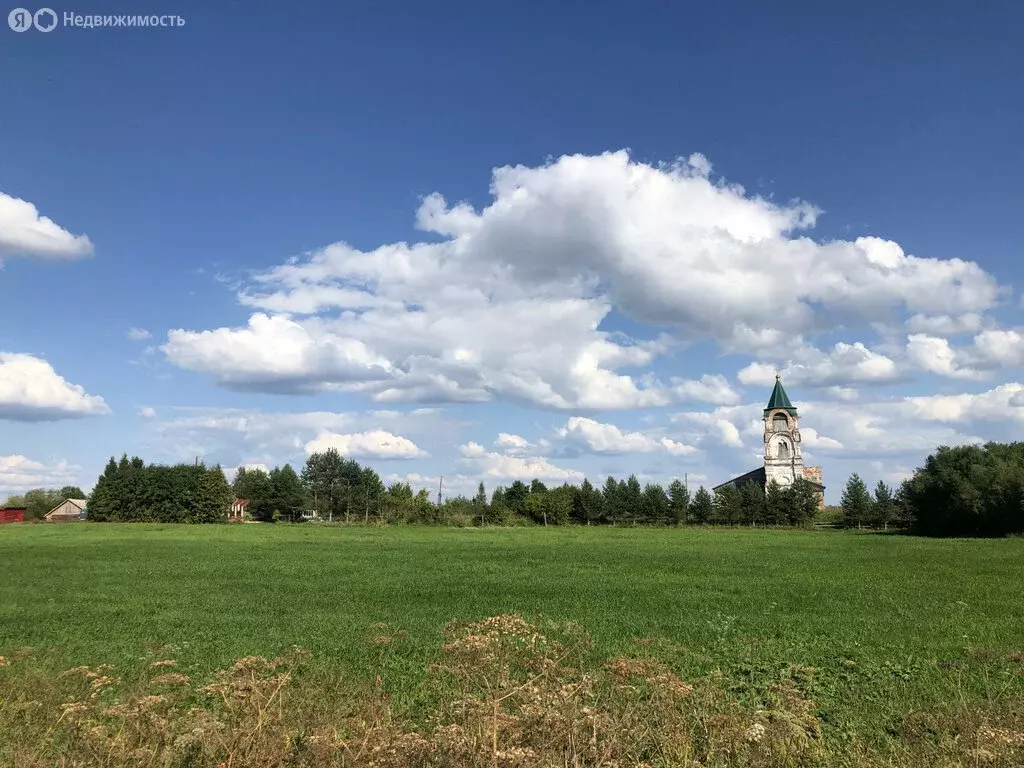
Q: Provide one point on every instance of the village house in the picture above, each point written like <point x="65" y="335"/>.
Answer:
<point x="68" y="511"/>
<point x="783" y="459"/>
<point x="237" y="512"/>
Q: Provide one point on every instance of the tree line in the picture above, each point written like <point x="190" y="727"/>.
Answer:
<point x="334" y="488"/>
<point x="967" y="490"/>
<point x="960" y="491"/>
<point x="329" y="487"/>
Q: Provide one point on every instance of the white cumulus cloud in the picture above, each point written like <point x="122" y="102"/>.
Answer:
<point x="510" y="303"/>
<point x="844" y="364"/>
<point x="501" y="466"/>
<point x="31" y="390"/>
<point x="19" y="473"/>
<point x="275" y="352"/>
<point x="512" y="444"/>
<point x="26" y="232"/>
<point x="376" y="444"/>
<point x="596" y="437"/>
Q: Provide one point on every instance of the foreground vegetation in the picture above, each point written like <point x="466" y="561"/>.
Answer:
<point x="502" y="692"/>
<point x="841" y="646"/>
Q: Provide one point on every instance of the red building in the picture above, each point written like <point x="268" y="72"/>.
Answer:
<point x="12" y="514"/>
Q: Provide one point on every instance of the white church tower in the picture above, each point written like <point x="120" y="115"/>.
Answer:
<point x="783" y="461"/>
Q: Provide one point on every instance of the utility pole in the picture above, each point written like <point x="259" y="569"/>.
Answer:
<point x="440" y="481"/>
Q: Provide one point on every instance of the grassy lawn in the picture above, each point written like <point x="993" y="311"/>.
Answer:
<point x="879" y="618"/>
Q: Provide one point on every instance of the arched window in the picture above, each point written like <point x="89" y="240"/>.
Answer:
<point x="780" y="423"/>
<point x="783" y="450"/>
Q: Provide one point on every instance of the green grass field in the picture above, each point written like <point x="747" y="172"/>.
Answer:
<point x="882" y="619"/>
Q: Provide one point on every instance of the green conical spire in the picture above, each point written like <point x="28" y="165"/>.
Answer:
<point x="779" y="399"/>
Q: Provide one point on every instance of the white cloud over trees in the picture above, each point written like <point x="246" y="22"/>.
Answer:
<point x="512" y="303"/>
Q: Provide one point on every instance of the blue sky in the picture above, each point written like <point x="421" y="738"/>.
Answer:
<point x="691" y="198"/>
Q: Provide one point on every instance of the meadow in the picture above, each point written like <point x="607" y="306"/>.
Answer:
<point x="873" y="627"/>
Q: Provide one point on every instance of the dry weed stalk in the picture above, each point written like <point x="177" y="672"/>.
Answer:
<point x="506" y="693"/>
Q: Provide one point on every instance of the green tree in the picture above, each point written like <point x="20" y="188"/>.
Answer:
<point x="703" y="506"/>
<point x="481" y="508"/>
<point x="728" y="505"/>
<point x="325" y="478"/>
<point x="398" y="503"/>
<point x="536" y="508"/>
<point x="904" y="510"/>
<point x="71" y="492"/>
<point x="803" y="502"/>
<point x="755" y="506"/>
<point x="631" y="498"/>
<point x="254" y="484"/>
<point x="129" y="490"/>
<point x="215" y="497"/>
<point x="101" y="498"/>
<point x="515" y="497"/>
<point x="500" y="513"/>
<point x="856" y="502"/>
<point x="558" y="504"/>
<point x="883" y="508"/>
<point x="614" y="500"/>
<point x="776" y="504"/>
<point x="968" y="490"/>
<point x="425" y="510"/>
<point x="369" y="492"/>
<point x="587" y="504"/>
<point x="655" y="505"/>
<point x="679" y="501"/>
<point x="287" y="495"/>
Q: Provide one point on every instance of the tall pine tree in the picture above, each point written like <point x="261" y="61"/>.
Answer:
<point x="679" y="501"/>
<point x="703" y="506"/>
<point x="883" y="508"/>
<point x="856" y="502"/>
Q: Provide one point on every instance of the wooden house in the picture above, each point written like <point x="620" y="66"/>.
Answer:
<point x="68" y="511"/>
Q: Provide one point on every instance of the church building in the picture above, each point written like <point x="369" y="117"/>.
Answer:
<point x="783" y="460"/>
